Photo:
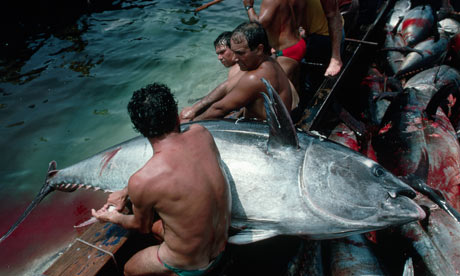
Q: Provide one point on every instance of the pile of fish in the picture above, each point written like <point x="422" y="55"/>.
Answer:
<point x="412" y="121"/>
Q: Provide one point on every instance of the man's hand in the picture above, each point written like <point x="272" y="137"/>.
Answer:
<point x="106" y="214"/>
<point x="187" y="114"/>
<point x="334" y="67"/>
<point x="117" y="199"/>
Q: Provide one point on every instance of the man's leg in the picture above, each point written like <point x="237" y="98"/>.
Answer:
<point x="290" y="67"/>
<point x="146" y="262"/>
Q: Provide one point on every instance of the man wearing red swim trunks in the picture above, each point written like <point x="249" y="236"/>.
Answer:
<point x="323" y="27"/>
<point x="282" y="19"/>
<point x="281" y="22"/>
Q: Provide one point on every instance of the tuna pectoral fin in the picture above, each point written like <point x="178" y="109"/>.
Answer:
<point x="44" y="191"/>
<point x="282" y="130"/>
<point x="252" y="235"/>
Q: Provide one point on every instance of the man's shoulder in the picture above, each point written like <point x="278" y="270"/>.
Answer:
<point x="197" y="130"/>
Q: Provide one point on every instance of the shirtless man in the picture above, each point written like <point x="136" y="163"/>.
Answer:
<point x="227" y="58"/>
<point x="250" y="44"/>
<point x="281" y="22"/>
<point x="192" y="199"/>
<point x="282" y="19"/>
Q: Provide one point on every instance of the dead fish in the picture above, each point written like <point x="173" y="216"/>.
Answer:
<point x="417" y="24"/>
<point x="436" y="242"/>
<point x="353" y="255"/>
<point x="433" y="52"/>
<point x="439" y="85"/>
<point x="395" y="49"/>
<point x="409" y="144"/>
<point x="283" y="181"/>
<point x="396" y="15"/>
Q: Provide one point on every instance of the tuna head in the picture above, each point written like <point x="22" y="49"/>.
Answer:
<point x="354" y="190"/>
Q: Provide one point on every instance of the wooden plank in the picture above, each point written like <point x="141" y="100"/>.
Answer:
<point x="317" y="106"/>
<point x="83" y="259"/>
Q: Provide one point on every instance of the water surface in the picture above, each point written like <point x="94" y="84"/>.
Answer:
<point x="68" y="101"/>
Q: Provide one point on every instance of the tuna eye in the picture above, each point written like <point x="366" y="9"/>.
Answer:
<point x="378" y="171"/>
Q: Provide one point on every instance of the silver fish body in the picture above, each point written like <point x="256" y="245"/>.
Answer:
<point x="437" y="242"/>
<point x="396" y="15"/>
<point x="394" y="59"/>
<point x="283" y="182"/>
<point x="433" y="52"/>
<point x="353" y="255"/>
<point x="321" y="190"/>
<point x="417" y="24"/>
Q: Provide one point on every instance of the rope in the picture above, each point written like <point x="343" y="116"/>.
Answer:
<point x="100" y="249"/>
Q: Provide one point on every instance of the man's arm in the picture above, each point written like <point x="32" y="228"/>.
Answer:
<point x="189" y="113"/>
<point x="142" y="217"/>
<point x="334" y="21"/>
<point x="245" y="92"/>
<point x="266" y="14"/>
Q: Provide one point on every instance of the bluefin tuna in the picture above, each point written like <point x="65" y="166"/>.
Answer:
<point x="299" y="184"/>
<point x="417" y="24"/>
<point x="433" y="52"/>
<point x="396" y="15"/>
<point x="436" y="242"/>
<point x="394" y="58"/>
<point x="411" y="144"/>
<point x="353" y="255"/>
<point x="443" y="83"/>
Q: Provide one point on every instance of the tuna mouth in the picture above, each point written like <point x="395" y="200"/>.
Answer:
<point x="410" y="193"/>
<point x="406" y="192"/>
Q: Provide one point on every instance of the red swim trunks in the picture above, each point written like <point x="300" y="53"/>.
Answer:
<point x="296" y="51"/>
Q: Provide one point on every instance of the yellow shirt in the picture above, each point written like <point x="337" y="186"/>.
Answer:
<point x="316" y="22"/>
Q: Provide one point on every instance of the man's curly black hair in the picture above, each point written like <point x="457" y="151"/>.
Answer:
<point x="153" y="110"/>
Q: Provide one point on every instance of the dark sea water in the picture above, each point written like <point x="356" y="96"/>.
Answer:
<point x="65" y="99"/>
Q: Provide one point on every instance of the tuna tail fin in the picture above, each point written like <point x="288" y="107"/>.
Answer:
<point x="44" y="191"/>
<point x="282" y="131"/>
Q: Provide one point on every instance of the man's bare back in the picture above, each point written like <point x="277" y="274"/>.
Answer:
<point x="183" y="183"/>
<point x="280" y="19"/>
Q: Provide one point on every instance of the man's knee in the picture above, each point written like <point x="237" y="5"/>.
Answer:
<point x="128" y="269"/>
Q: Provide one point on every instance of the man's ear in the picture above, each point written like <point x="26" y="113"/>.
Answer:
<point x="260" y="49"/>
<point x="178" y="123"/>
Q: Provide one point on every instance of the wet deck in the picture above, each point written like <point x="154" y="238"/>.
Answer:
<point x="92" y="252"/>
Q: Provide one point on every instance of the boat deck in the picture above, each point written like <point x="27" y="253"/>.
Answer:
<point x="93" y="252"/>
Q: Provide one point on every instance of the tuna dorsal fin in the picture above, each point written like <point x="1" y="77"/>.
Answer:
<point x="282" y="131"/>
